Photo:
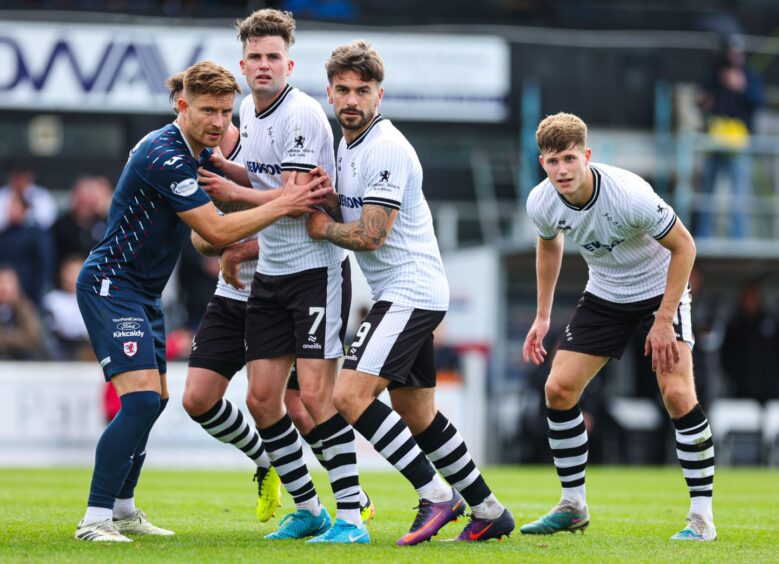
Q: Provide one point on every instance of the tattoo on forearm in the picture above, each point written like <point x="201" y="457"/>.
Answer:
<point x="364" y="234"/>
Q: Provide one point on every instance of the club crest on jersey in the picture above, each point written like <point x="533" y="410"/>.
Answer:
<point x="130" y="348"/>
<point x="184" y="188"/>
<point x="384" y="176"/>
<point x="299" y="140"/>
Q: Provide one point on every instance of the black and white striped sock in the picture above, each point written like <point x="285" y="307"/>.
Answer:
<point x="390" y="436"/>
<point x="446" y="449"/>
<point x="340" y="454"/>
<point x="568" y="440"/>
<point x="695" y="449"/>
<point x="285" y="450"/>
<point x="315" y="443"/>
<point x="224" y="421"/>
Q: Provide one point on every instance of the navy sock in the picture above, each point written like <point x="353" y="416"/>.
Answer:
<point x="118" y="443"/>
<point x="139" y="456"/>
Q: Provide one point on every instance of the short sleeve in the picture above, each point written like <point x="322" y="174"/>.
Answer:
<point x="650" y="213"/>
<point x="306" y="137"/>
<point x="177" y="184"/>
<point x="386" y="172"/>
<point x="544" y="228"/>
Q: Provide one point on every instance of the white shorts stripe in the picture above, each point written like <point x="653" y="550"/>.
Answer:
<point x="334" y="348"/>
<point x="384" y="336"/>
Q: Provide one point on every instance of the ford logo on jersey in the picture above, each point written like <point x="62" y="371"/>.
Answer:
<point x="128" y="326"/>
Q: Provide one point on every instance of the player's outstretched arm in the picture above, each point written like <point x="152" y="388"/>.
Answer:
<point x="222" y="230"/>
<point x="230" y="196"/>
<point x="202" y="246"/>
<point x="366" y="234"/>
<point x="661" y="341"/>
<point x="549" y="257"/>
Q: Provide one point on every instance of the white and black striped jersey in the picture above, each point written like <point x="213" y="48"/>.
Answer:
<point x="293" y="134"/>
<point x="248" y="267"/>
<point x="380" y="167"/>
<point x="617" y="232"/>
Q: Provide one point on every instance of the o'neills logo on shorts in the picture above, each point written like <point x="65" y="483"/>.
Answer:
<point x="316" y="346"/>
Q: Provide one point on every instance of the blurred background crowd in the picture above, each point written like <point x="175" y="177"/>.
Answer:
<point x="684" y="93"/>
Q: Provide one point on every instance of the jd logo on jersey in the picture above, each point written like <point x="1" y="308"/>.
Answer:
<point x="562" y="225"/>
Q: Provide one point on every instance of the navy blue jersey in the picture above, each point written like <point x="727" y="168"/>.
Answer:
<point x="144" y="235"/>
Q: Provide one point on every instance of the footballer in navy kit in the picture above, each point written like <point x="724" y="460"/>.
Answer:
<point x="119" y="287"/>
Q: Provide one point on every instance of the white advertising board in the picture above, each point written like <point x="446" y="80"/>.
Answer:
<point x="122" y="68"/>
<point x="51" y="415"/>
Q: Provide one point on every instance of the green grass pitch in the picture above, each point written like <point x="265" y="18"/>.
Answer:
<point x="634" y="511"/>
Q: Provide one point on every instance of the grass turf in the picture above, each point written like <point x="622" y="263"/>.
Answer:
<point x="634" y="511"/>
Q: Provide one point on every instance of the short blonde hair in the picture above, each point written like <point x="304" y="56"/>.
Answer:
<point x="266" y="23"/>
<point x="207" y="77"/>
<point x="359" y="57"/>
<point x="560" y="132"/>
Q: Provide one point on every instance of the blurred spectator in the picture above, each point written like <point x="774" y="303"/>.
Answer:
<point x="27" y="248"/>
<point x="62" y="316"/>
<point x="82" y="227"/>
<point x="21" y="182"/>
<point x="750" y="349"/>
<point x="20" y="329"/>
<point x="729" y="99"/>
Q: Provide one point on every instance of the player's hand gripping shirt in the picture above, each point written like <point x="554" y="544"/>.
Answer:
<point x="144" y="236"/>
<point x="616" y="231"/>
<point x="380" y="167"/>
<point x="293" y="134"/>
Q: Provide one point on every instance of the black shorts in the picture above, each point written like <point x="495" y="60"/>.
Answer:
<point x="603" y="328"/>
<point x="304" y="314"/>
<point x="396" y="342"/>
<point x="219" y="344"/>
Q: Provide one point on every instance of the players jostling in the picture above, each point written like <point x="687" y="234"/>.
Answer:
<point x="301" y="292"/>
<point x="120" y="284"/>
<point x="396" y="248"/>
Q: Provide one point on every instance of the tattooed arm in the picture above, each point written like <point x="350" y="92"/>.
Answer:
<point x="366" y="234"/>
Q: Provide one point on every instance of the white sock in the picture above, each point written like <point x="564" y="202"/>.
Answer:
<point x="436" y="490"/>
<point x="702" y="506"/>
<point x="124" y="507"/>
<point x="363" y="498"/>
<point x="312" y="505"/>
<point x="97" y="514"/>
<point x="350" y="516"/>
<point x="489" y="509"/>
<point x="576" y="496"/>
<point x="264" y="460"/>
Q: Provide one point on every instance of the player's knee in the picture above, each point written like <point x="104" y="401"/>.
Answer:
<point x="559" y="396"/>
<point x="258" y="403"/>
<point x="678" y="398"/>
<point x="195" y="404"/>
<point x="347" y="404"/>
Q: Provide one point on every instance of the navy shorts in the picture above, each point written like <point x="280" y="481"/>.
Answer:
<point x="125" y="335"/>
